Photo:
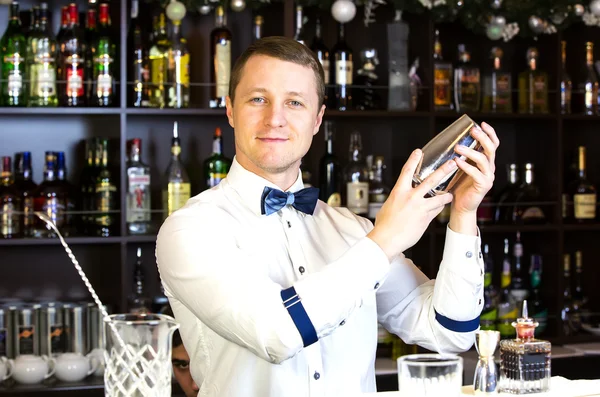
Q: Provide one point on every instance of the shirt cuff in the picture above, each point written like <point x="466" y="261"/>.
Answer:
<point x="463" y="256"/>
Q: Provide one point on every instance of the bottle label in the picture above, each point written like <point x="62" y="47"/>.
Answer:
<point x="585" y="206"/>
<point x="75" y="82"/>
<point x="55" y="210"/>
<point x="138" y="199"/>
<point x="223" y="67"/>
<point x="335" y="200"/>
<point x="491" y="316"/>
<point x="181" y="67"/>
<point x="533" y="213"/>
<point x="106" y="201"/>
<point x="487" y="279"/>
<point x="536" y="279"/>
<point x="158" y="69"/>
<point x="343" y="72"/>
<point x="502" y="89"/>
<point x="9" y="220"/>
<point x="325" y="65"/>
<point x="565" y="96"/>
<point x="469" y="86"/>
<point x="539" y="90"/>
<point x="505" y="319"/>
<point x="104" y="85"/>
<point x="214" y="178"/>
<point x="25" y="342"/>
<point x="358" y="197"/>
<point x="56" y="339"/>
<point x="44" y="80"/>
<point x="177" y="195"/>
<point x="442" y="96"/>
<point x="3" y="334"/>
<point x="15" y="83"/>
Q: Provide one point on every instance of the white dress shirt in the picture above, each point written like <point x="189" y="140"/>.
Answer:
<point x="224" y="266"/>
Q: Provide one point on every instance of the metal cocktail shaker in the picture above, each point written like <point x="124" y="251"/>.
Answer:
<point x="485" y="379"/>
<point x="441" y="149"/>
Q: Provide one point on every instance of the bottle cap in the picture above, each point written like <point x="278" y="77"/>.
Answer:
<point x="525" y="325"/>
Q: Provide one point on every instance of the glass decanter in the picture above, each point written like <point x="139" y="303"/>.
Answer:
<point x="524" y="361"/>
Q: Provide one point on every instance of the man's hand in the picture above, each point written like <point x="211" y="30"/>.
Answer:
<point x="406" y="214"/>
<point x="470" y="191"/>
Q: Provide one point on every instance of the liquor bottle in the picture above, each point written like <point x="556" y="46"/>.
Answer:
<point x="579" y="299"/>
<point x="497" y="86"/>
<point x="25" y="186"/>
<point x="87" y="183"/>
<point x="467" y="83"/>
<point x="539" y="310"/>
<point x="507" y="196"/>
<point x="89" y="46"/>
<point x="507" y="311"/>
<point x="329" y="171"/>
<point x="524" y="361"/>
<point x="13" y="45"/>
<point x="104" y="62"/>
<point x="343" y="71"/>
<point x="159" y="56"/>
<point x="300" y="35"/>
<point x="139" y="73"/>
<point x="106" y="197"/>
<point x="220" y="52"/>
<point x="10" y="202"/>
<point x="72" y="60"/>
<point x="442" y="78"/>
<point x="257" y="28"/>
<point x="384" y="343"/>
<point x="485" y="210"/>
<point x="366" y="79"/>
<point x="178" y="72"/>
<point x="34" y="21"/>
<point x="378" y="190"/>
<point x="64" y="23"/>
<point x="489" y="313"/>
<point x="533" y="86"/>
<point x="64" y="185"/>
<point x="318" y="46"/>
<point x="518" y="291"/>
<point x="138" y="190"/>
<point x="217" y="165"/>
<point x="176" y="190"/>
<point x="357" y="177"/>
<point x="582" y="193"/>
<point x="570" y="318"/>
<point x="526" y="208"/>
<point x="51" y="200"/>
<point x="41" y="63"/>
<point x="566" y="85"/>
<point x="588" y="87"/>
<point x="138" y="302"/>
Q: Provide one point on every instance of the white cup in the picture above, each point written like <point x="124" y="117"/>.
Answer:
<point x="6" y="369"/>
<point x="30" y="369"/>
<point x="73" y="367"/>
<point x="98" y="354"/>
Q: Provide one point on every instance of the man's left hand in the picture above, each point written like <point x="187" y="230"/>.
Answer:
<point x="469" y="192"/>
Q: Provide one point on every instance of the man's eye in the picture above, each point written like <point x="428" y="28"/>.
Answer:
<point x="182" y="365"/>
<point x="257" y="100"/>
<point x="295" y="103"/>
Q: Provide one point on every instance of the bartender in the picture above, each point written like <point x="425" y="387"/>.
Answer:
<point x="279" y="294"/>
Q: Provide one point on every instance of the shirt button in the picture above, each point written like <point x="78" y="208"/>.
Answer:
<point x="376" y="285"/>
<point x="343" y="322"/>
<point x="480" y="301"/>
<point x="480" y="255"/>
<point x="317" y="376"/>
<point x="289" y="224"/>
<point x="469" y="254"/>
<point x="301" y="269"/>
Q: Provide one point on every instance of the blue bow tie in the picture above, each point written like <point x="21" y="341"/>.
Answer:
<point x="304" y="200"/>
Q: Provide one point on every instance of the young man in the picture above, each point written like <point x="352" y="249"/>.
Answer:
<point x="279" y="294"/>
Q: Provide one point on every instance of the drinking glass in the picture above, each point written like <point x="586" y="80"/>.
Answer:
<point x="428" y="375"/>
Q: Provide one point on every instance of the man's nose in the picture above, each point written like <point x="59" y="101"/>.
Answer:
<point x="275" y="116"/>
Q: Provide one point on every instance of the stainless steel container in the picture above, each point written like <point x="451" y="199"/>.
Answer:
<point x="96" y="332"/>
<point x="25" y="331"/>
<point x="9" y="321"/>
<point x="75" y="328"/>
<point x="3" y="333"/>
<point x="51" y="329"/>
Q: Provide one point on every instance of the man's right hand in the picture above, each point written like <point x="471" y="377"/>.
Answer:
<point x="406" y="214"/>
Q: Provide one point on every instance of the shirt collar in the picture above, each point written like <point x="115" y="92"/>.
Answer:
<point x="250" y="186"/>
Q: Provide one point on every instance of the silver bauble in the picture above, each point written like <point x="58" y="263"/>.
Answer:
<point x="496" y="4"/>
<point x="579" y="10"/>
<point x="204" y="10"/>
<point x="595" y="7"/>
<point x="536" y="24"/>
<point x="238" y="5"/>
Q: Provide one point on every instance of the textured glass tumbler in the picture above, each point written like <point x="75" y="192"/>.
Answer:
<point x="429" y="375"/>
<point x="441" y="149"/>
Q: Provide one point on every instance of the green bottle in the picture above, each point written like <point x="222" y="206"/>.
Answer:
<point x="489" y="314"/>
<point x="217" y="165"/>
<point x="13" y="45"/>
<point x="104" y="61"/>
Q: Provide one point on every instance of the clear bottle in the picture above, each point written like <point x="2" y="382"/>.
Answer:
<point x="10" y="202"/>
<point x="497" y="86"/>
<point x="300" y="35"/>
<point x="519" y="290"/>
<point x="257" y="28"/>
<point x="533" y="86"/>
<point x="357" y="178"/>
<point x="566" y="85"/>
<point x="178" y="80"/>
<point x="176" y="190"/>
<point x="527" y="208"/>
<point x="507" y="195"/>
<point x="106" y="197"/>
<point x="72" y="60"/>
<point x="569" y="315"/>
<point x="343" y="71"/>
<point x="507" y="311"/>
<point x="442" y="78"/>
<point x="51" y="200"/>
<point x="138" y="191"/>
<point x="159" y="56"/>
<point x="138" y="302"/>
<point x="41" y="63"/>
<point x="103" y="85"/>
<point x="366" y="81"/>
<point x="220" y="51"/>
<point x="539" y="309"/>
<point x="582" y="193"/>
<point x="467" y="83"/>
<point x="580" y="300"/>
<point x="318" y="46"/>
<point x="330" y="182"/>
<point x="524" y="361"/>
<point x="25" y="185"/>
<point x="589" y="86"/>
<point x="378" y="190"/>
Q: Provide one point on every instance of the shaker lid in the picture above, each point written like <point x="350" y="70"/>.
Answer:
<point x="525" y="325"/>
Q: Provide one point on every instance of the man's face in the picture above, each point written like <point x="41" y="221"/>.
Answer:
<point x="181" y="369"/>
<point x="275" y="115"/>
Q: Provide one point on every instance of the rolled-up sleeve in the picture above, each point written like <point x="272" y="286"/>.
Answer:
<point x="441" y="314"/>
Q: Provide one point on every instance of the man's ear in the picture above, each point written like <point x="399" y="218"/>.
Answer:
<point x="229" y="106"/>
<point x="319" y="119"/>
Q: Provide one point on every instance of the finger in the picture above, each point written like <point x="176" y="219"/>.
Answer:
<point x="404" y="181"/>
<point x="436" y="177"/>
<point x="481" y="180"/>
<point x="491" y="133"/>
<point x="433" y="203"/>
<point x="478" y="158"/>
<point x="489" y="148"/>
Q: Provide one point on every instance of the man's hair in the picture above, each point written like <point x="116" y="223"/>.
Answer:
<point x="284" y="49"/>
<point x="176" y="335"/>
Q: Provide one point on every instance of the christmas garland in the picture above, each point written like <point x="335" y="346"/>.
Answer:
<point x="498" y="19"/>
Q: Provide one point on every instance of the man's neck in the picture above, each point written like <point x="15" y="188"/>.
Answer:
<point x="283" y="180"/>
